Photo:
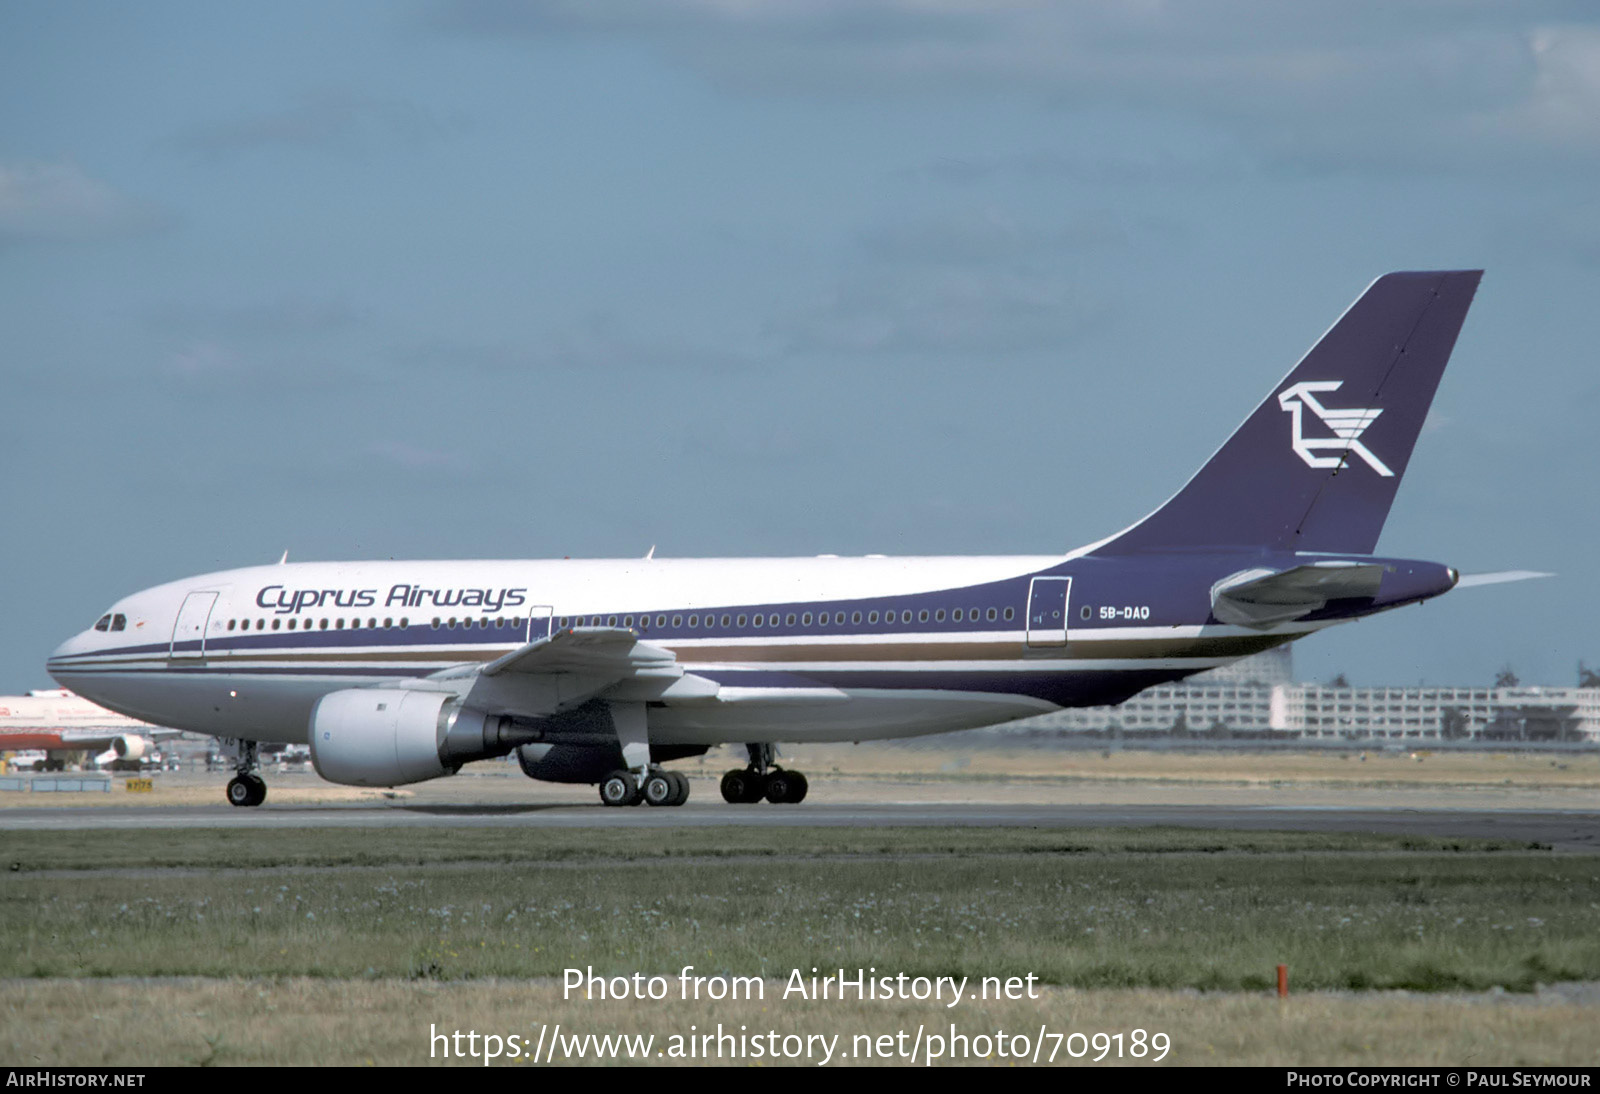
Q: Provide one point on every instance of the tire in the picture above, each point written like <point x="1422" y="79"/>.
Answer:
<point x="258" y="789"/>
<point x="798" y="786"/>
<point x="756" y="784"/>
<point x="780" y="784"/>
<point x="681" y="781"/>
<point x="240" y="792"/>
<point x="660" y="789"/>
<point x="741" y="787"/>
<point x="619" y="788"/>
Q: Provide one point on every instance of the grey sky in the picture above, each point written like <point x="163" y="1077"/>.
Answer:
<point x="490" y="279"/>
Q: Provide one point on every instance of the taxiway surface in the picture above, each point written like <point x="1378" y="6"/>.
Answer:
<point x="1561" y="829"/>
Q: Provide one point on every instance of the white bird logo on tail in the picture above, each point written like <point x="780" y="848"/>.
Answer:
<point x="1347" y="424"/>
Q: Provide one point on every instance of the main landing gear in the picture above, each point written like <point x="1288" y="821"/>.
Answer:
<point x="246" y="787"/>
<point x="660" y="787"/>
<point x="763" y="779"/>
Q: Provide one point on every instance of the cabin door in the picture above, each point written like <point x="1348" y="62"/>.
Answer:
<point x="1047" y="611"/>
<point x="189" y="632"/>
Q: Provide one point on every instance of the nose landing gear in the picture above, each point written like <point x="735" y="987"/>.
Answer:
<point x="246" y="788"/>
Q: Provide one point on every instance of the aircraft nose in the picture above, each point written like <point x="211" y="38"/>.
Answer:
<point x="65" y="653"/>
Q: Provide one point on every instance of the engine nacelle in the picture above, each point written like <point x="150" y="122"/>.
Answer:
<point x="379" y="736"/>
<point x="394" y="736"/>
<point x="132" y="746"/>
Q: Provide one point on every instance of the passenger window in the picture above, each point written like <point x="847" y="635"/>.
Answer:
<point x="677" y="621"/>
<point x="838" y="618"/>
<point x="324" y="625"/>
<point x="725" y="621"/>
<point x="403" y="622"/>
<point x="741" y="621"/>
<point x="922" y="616"/>
<point x="872" y="617"/>
<point x="938" y="616"/>
<point x="956" y="615"/>
<point x="661" y="621"/>
<point x="231" y="623"/>
<point x="436" y="622"/>
<point x="855" y="617"/>
<point x="757" y="620"/>
<point x="905" y="616"/>
<point x="372" y="622"/>
<point x="991" y="615"/>
<point x="789" y="620"/>
<point x="388" y="623"/>
<point x="291" y="624"/>
<point x="276" y="623"/>
<point x="772" y="620"/>
<point x="1010" y="613"/>
<point x="694" y="621"/>
<point x="805" y="619"/>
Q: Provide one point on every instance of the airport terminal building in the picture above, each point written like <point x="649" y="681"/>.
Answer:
<point x="1258" y="697"/>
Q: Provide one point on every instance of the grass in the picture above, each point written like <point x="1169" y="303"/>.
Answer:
<point x="1111" y="909"/>
<point x="312" y="1021"/>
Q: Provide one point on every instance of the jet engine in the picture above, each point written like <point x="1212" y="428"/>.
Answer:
<point x="394" y="736"/>
<point x="132" y="747"/>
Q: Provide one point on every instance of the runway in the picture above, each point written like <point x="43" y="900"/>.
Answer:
<point x="1563" y="830"/>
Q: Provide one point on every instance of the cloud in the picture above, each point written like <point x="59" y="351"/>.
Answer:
<point x="329" y="121"/>
<point x="289" y="317"/>
<point x="959" y="281"/>
<point x="1395" y="82"/>
<point x="960" y="312"/>
<point x="413" y="457"/>
<point x="55" y="202"/>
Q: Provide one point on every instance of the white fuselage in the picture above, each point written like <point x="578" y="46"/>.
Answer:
<point x="801" y="649"/>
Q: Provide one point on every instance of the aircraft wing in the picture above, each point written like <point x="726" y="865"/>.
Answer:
<point x="611" y="650"/>
<point x="591" y="661"/>
<point x="1262" y="598"/>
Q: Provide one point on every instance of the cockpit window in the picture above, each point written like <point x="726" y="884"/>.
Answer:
<point x="119" y="622"/>
<point x="103" y="622"/>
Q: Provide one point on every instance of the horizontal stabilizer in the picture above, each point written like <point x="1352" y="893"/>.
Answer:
<point x="1500" y="578"/>
<point x="1262" y="598"/>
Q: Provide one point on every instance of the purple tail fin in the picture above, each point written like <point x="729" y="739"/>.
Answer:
<point x="1316" y="467"/>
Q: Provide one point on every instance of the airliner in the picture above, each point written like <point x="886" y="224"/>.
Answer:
<point x="602" y="672"/>
<point x="58" y="723"/>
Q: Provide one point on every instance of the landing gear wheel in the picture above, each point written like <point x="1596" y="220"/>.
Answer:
<point x="661" y="788"/>
<point x="742" y="787"/>
<point x="681" y="782"/>
<point x="794" y="792"/>
<point x="619" y="788"/>
<point x="786" y="787"/>
<point x="247" y="790"/>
